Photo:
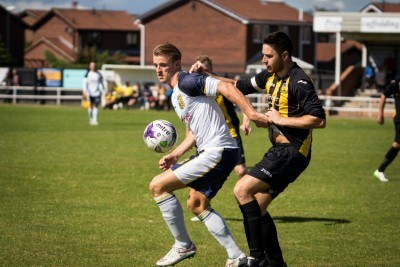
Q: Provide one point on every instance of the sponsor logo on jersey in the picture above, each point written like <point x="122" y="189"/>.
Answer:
<point x="302" y="81"/>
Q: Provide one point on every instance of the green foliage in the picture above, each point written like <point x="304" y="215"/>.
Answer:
<point x="84" y="58"/>
<point x="54" y="62"/>
<point x="77" y="195"/>
<point x="5" y="56"/>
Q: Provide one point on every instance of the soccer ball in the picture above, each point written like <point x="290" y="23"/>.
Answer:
<point x="160" y="136"/>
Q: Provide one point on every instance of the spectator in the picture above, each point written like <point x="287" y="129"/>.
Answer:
<point x="369" y="77"/>
<point x="162" y="98"/>
<point x="135" y="95"/>
<point x="41" y="82"/>
<point x="146" y="99"/>
<point x="127" y="92"/>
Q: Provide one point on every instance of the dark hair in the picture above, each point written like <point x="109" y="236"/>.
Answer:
<point x="206" y="61"/>
<point x="280" y="41"/>
<point x="168" y="50"/>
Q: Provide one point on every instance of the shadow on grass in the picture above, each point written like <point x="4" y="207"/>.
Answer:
<point x="293" y="219"/>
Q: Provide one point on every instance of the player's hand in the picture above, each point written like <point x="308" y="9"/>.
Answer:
<point x="246" y="128"/>
<point x="273" y="116"/>
<point x="262" y="121"/>
<point x="197" y="67"/>
<point x="380" y="120"/>
<point x="167" y="161"/>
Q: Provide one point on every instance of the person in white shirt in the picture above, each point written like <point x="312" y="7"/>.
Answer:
<point x="193" y="99"/>
<point x="93" y="88"/>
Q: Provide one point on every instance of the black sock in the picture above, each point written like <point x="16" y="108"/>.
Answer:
<point x="390" y="156"/>
<point x="252" y="225"/>
<point x="270" y="241"/>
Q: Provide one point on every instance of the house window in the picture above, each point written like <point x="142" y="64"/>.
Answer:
<point x="93" y="39"/>
<point x="284" y="28"/>
<point x="306" y="35"/>
<point x="132" y="39"/>
<point x="259" y="32"/>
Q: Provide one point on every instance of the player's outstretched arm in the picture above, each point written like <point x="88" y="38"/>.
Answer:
<point x="233" y="94"/>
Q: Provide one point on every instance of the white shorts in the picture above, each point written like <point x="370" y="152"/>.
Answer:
<point x="207" y="170"/>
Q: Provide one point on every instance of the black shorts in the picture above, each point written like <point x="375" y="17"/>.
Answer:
<point x="241" y="158"/>
<point x="397" y="135"/>
<point x="95" y="100"/>
<point x="280" y="166"/>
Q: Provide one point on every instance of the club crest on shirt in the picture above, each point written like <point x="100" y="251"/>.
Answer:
<point x="181" y="103"/>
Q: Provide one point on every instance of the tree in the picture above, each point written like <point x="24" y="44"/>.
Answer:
<point x="5" y="56"/>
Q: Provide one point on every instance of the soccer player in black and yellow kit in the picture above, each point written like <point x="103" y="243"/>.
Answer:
<point x="392" y="89"/>
<point x="294" y="110"/>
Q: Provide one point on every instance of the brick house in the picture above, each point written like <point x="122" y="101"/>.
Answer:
<point x="68" y="32"/>
<point x="230" y="32"/>
<point x="12" y="36"/>
<point x="30" y="16"/>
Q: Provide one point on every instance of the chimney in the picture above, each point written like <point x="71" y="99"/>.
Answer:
<point x="74" y="4"/>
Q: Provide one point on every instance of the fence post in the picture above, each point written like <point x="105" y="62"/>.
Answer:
<point x="58" y="96"/>
<point x="14" y="100"/>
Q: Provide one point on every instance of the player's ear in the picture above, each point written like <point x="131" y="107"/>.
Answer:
<point x="285" y="55"/>
<point x="177" y="63"/>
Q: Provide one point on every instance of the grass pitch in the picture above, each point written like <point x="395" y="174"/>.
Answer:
<point x="76" y="195"/>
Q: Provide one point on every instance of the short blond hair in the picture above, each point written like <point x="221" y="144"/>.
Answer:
<point x="168" y="50"/>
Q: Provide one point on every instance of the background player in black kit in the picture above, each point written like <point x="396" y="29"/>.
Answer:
<point x="392" y="89"/>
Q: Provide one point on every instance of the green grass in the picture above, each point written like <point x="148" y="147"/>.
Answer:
<point x="76" y="195"/>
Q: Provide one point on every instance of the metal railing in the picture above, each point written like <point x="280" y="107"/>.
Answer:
<point x="57" y="94"/>
<point x="362" y="105"/>
<point x="365" y="105"/>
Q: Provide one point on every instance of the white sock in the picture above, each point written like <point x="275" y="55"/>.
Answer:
<point x="90" y="114"/>
<point x="94" y="114"/>
<point x="218" y="228"/>
<point x="172" y="212"/>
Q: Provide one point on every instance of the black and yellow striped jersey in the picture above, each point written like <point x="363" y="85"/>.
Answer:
<point x="231" y="118"/>
<point x="293" y="96"/>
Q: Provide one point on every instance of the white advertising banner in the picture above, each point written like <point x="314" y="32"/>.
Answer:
<point x="380" y="25"/>
<point x="328" y="24"/>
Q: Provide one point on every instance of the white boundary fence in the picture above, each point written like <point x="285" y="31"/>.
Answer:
<point x="57" y="94"/>
<point x="366" y="106"/>
<point x="356" y="105"/>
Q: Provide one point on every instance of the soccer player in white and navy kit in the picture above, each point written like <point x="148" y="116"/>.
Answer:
<point x="205" y="172"/>
<point x="93" y="88"/>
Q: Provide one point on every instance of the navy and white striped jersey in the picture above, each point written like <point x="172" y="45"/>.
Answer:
<point x="194" y="102"/>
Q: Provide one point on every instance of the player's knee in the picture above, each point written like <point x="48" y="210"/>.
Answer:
<point x="240" y="192"/>
<point x="155" y="188"/>
<point x="194" y="205"/>
<point x="396" y="145"/>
